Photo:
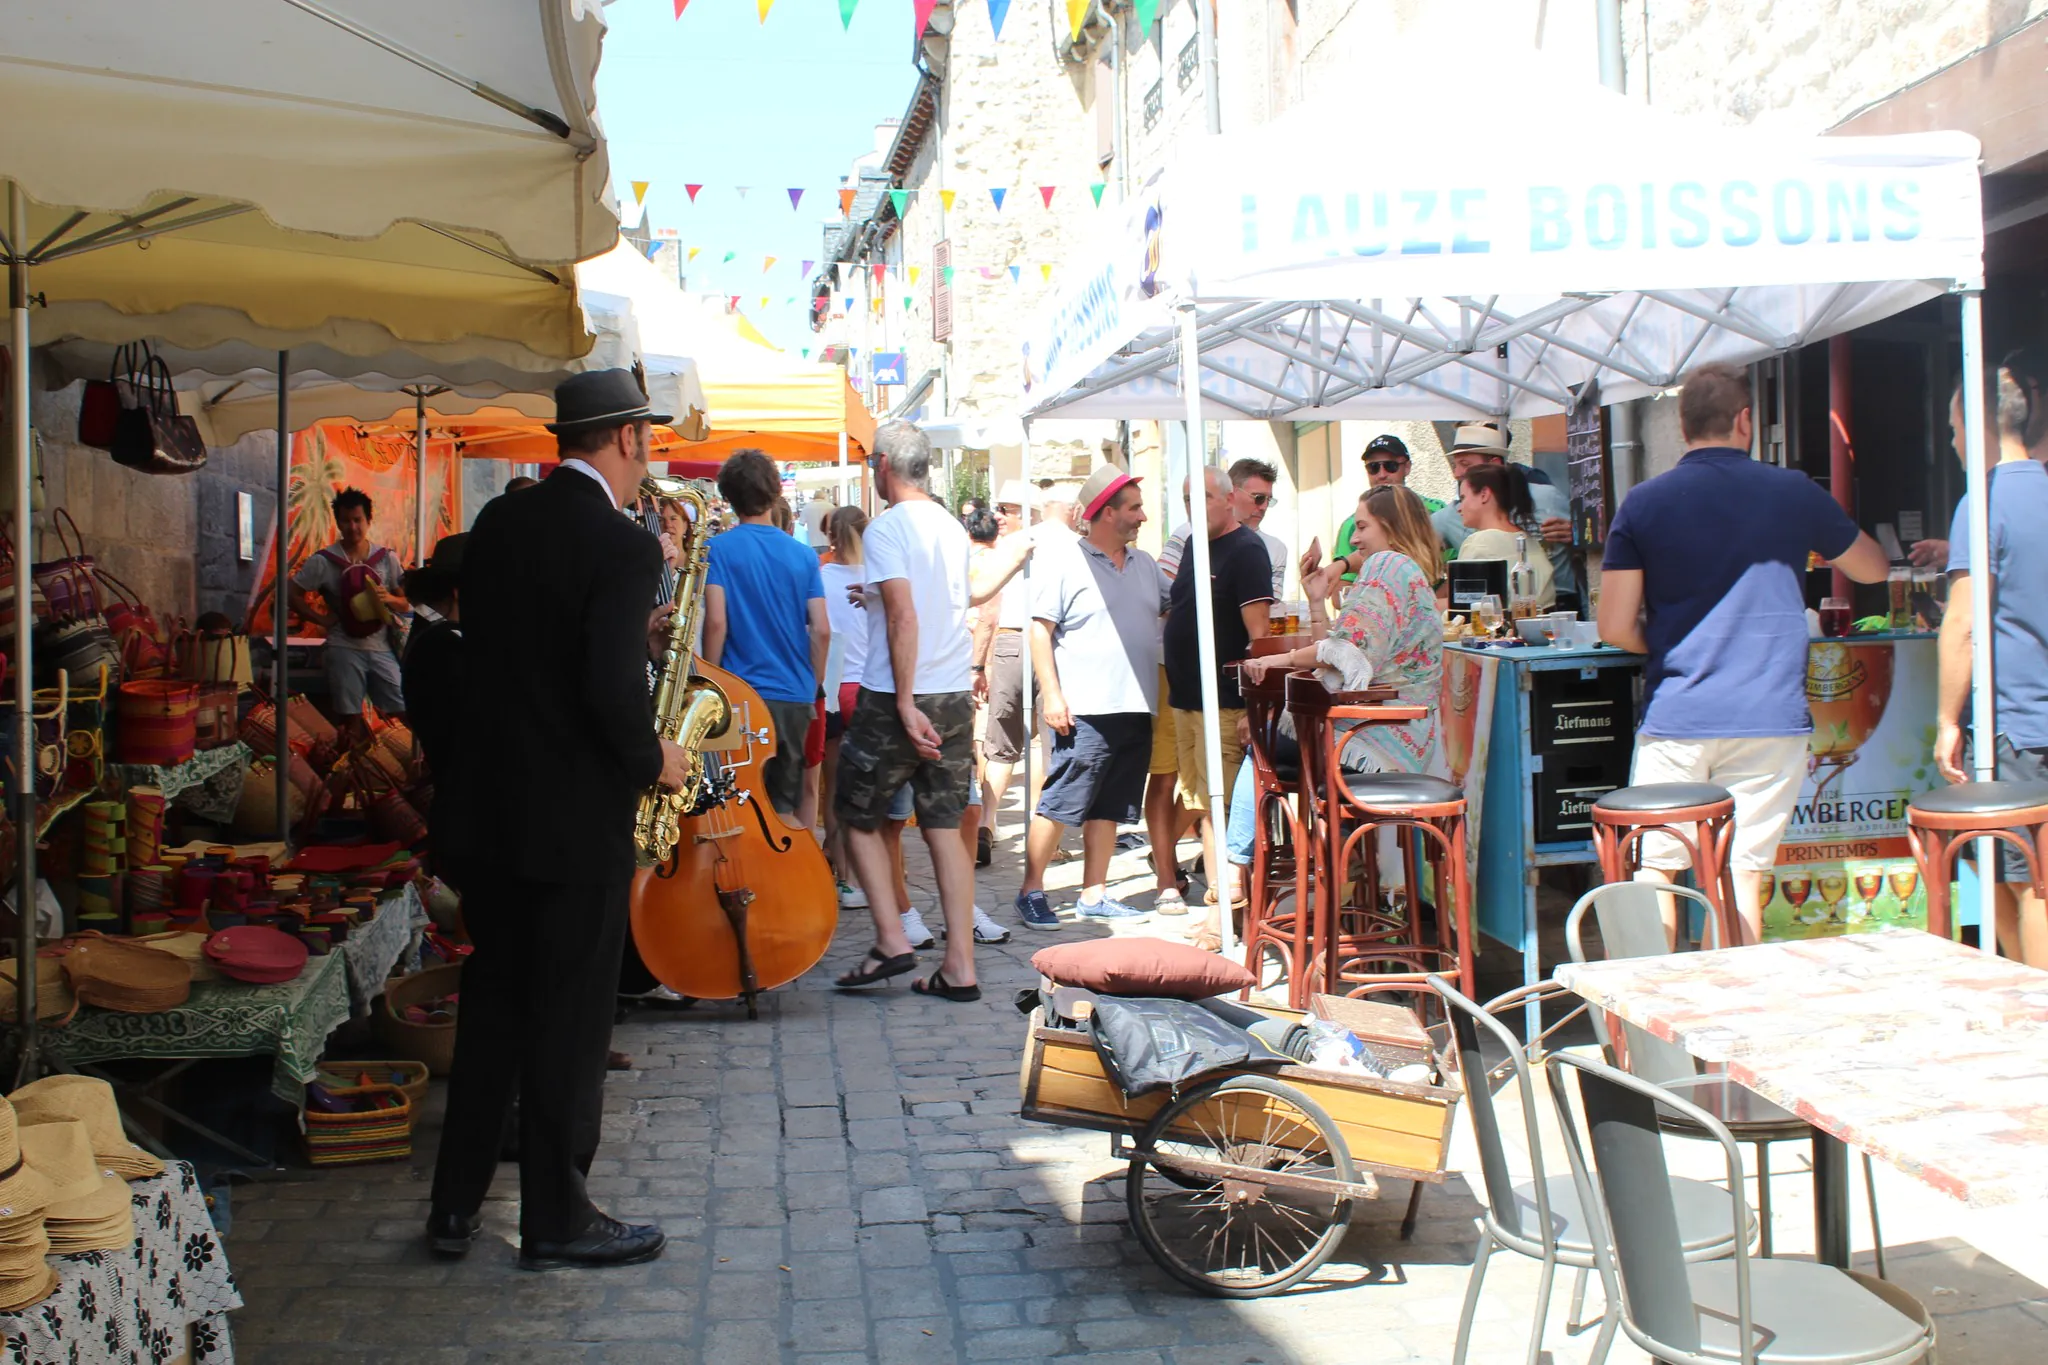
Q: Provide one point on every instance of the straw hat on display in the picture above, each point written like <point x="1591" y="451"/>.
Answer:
<point x="1480" y="438"/>
<point x="92" y="1103"/>
<point x="89" y="1207"/>
<point x="24" y="1193"/>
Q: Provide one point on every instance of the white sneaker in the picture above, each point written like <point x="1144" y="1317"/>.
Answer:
<point x="987" y="930"/>
<point x="852" y="897"/>
<point x="914" y="930"/>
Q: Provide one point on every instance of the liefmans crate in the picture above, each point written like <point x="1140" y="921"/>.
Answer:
<point x="1391" y="1128"/>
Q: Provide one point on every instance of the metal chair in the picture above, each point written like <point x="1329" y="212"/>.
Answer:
<point x="1632" y="925"/>
<point x="1744" y="1309"/>
<point x="1542" y="1218"/>
<point x="1277" y="920"/>
<point x="1942" y="822"/>
<point x="1699" y="815"/>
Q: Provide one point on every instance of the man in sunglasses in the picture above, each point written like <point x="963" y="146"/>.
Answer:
<point x="1386" y="466"/>
<point x="1251" y="493"/>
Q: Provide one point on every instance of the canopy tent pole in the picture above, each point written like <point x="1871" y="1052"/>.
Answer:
<point x="280" y="600"/>
<point x="419" y="472"/>
<point x="845" y="493"/>
<point x="21" y="441"/>
<point x="1977" y="489"/>
<point x="1031" y="729"/>
<point x="1205" y="625"/>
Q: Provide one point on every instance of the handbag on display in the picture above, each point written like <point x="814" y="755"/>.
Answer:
<point x="151" y="434"/>
<point x="11" y="578"/>
<point x="78" y="647"/>
<point x="145" y="644"/>
<point x="99" y="411"/>
<point x="70" y="584"/>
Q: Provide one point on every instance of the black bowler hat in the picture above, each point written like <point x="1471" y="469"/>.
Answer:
<point x="600" y="399"/>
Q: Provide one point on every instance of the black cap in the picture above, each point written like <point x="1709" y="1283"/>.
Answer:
<point x="1386" y="445"/>
<point x="601" y="399"/>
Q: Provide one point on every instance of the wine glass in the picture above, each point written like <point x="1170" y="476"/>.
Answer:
<point x="1767" y="886"/>
<point x="1797" y="887"/>
<point x="1868" y="885"/>
<point x="1833" y="887"/>
<point x="1903" y="885"/>
<point x="1486" y="611"/>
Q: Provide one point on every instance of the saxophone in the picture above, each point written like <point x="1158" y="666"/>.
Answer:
<point x="687" y="710"/>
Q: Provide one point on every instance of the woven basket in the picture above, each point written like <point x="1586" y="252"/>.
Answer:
<point x="159" y="722"/>
<point x="381" y="1134"/>
<point x="408" y="1076"/>
<point x="189" y="948"/>
<point x="54" y="998"/>
<point x="433" y="1044"/>
<point x="122" y="975"/>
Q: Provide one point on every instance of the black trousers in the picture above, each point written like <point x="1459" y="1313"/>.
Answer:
<point x="536" y="1021"/>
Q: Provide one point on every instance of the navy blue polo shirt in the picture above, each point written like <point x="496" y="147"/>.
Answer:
<point x="1722" y="542"/>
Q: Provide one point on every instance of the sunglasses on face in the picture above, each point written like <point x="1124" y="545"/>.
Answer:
<point x="1385" y="466"/>
<point x="1261" y="499"/>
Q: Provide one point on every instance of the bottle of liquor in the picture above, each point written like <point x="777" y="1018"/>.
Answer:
<point x="1521" y="582"/>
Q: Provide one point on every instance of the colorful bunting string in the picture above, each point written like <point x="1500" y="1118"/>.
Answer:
<point x="1147" y="11"/>
<point x="998" y="10"/>
<point x="846" y="9"/>
<point x="767" y="5"/>
<point x="900" y="199"/>
<point x="1045" y="193"/>
<point x="767" y="264"/>
<point x="996" y="192"/>
<point x="796" y="197"/>
<point x="693" y="191"/>
<point x="921" y="11"/>
<point x="640" y="191"/>
<point x="1077" y="15"/>
<point x="846" y="203"/>
<point x="1096" y="189"/>
<point x="946" y="199"/>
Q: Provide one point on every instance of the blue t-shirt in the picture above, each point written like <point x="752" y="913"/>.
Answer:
<point x="1722" y="542"/>
<point x="769" y="581"/>
<point x="2019" y="595"/>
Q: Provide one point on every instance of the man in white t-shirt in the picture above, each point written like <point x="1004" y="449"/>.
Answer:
<point x="914" y="718"/>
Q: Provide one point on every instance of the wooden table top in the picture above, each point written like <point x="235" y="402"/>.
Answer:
<point x="1927" y="1054"/>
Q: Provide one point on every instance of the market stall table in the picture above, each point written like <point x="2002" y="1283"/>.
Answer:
<point x="165" y="1298"/>
<point x="1926" y="1054"/>
<point x="289" y="1022"/>
<point x="208" y="784"/>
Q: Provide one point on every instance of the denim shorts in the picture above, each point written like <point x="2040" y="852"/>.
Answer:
<point x="353" y="674"/>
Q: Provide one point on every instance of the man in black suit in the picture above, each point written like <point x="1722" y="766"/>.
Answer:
<point x="558" y="743"/>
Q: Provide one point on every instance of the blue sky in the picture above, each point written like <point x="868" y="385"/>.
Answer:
<point x="721" y="99"/>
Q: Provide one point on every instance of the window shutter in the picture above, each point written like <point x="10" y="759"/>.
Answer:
<point x="942" y="293"/>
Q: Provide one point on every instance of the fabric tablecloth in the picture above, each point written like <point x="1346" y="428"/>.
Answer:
<point x="392" y="936"/>
<point x="208" y="784"/>
<point x="132" y="1307"/>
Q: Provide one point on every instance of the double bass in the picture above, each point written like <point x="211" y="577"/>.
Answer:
<point x="731" y="898"/>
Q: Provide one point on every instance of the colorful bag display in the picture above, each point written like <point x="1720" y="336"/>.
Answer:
<point x="71" y="584"/>
<point x="151" y="434"/>
<point x="99" y="411"/>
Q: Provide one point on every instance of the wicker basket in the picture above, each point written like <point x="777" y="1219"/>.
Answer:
<point x="433" y="1044"/>
<point x="410" y="1077"/>
<point x="383" y="1133"/>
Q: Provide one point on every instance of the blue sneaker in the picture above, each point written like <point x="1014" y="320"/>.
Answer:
<point x="1037" y="912"/>
<point x="1109" y="908"/>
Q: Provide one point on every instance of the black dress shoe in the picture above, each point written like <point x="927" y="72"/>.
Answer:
<point x="449" y="1234"/>
<point x="609" y="1242"/>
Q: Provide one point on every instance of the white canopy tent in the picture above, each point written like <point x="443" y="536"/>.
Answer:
<point x="361" y="175"/>
<point x="1496" y="259"/>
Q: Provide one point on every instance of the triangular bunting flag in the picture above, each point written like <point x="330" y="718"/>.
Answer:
<point x="764" y="300"/>
<point x="914" y="270"/>
<point x="998" y="10"/>
<point x="946" y="274"/>
<point x="1077" y="15"/>
<point x="734" y="302"/>
<point x="640" y="191"/>
<point x="1045" y="193"/>
<point x="845" y="203"/>
<point x="806" y="271"/>
<point x="846" y="9"/>
<point x="743" y="189"/>
<point x="806" y="351"/>
<point x="767" y="5"/>
<point x="653" y="248"/>
<point x="728" y="257"/>
<point x="849" y="303"/>
<point x="946" y="198"/>
<point x="1096" y="189"/>
<point x="767" y="264"/>
<point x="795" y="197"/>
<point x="681" y="5"/>
<point x="986" y="273"/>
<point x="996" y="192"/>
<point x="897" y="200"/>
<point x="921" y="12"/>
<point x="693" y="252"/>
<point x="1147" y="10"/>
<point x="878" y="267"/>
<point x="693" y="191"/>
<point x="1016" y="273"/>
<point x="1045" y="273"/>
<point x="906" y="303"/>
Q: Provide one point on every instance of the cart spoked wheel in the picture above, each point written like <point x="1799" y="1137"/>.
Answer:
<point x="1241" y="1188"/>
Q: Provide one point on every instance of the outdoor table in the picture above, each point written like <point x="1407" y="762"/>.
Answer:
<point x="289" y="1022"/>
<point x="167" y="1297"/>
<point x="1926" y="1054"/>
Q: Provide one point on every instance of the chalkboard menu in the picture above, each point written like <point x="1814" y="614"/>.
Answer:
<point x="1585" y="445"/>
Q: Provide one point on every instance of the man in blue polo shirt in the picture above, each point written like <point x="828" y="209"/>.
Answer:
<point x="764" y="616"/>
<point x="1704" y="572"/>
<point x="2019" y="624"/>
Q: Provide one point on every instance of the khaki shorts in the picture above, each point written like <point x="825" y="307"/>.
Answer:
<point x="1165" y="748"/>
<point x="1004" y="733"/>
<point x="1194" y="773"/>
<point x="1762" y="774"/>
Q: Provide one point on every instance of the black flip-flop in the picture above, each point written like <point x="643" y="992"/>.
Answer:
<point x="884" y="968"/>
<point x="936" y="984"/>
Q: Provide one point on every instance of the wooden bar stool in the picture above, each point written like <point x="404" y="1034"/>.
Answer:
<point x="1941" y="823"/>
<point x="1279" y="912"/>
<point x="1623" y="818"/>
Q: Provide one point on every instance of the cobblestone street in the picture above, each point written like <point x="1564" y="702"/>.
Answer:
<point x="847" y="1180"/>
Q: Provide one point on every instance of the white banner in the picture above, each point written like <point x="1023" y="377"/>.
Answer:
<point x="1099" y="307"/>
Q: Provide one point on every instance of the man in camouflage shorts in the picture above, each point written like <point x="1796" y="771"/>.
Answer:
<point x="916" y="597"/>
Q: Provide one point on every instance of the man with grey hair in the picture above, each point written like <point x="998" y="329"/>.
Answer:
<point x="914" y="719"/>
